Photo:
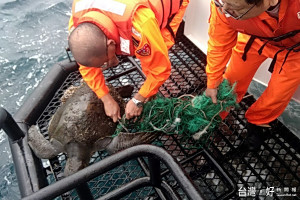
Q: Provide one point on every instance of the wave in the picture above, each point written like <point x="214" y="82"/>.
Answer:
<point x="8" y="183"/>
<point x="33" y="35"/>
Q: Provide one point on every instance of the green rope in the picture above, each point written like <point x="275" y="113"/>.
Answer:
<point x="192" y="118"/>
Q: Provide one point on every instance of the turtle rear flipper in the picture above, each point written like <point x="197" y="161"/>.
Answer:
<point x="42" y="147"/>
<point x="125" y="140"/>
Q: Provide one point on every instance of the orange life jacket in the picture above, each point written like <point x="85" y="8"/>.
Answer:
<point x="114" y="17"/>
<point x="286" y="36"/>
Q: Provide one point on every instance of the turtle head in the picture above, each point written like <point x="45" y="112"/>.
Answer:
<point x="78" y="157"/>
<point x="74" y="164"/>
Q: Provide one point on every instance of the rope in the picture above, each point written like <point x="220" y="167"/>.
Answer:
<point x="192" y="118"/>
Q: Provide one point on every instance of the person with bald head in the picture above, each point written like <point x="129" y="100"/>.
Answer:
<point x="100" y="30"/>
<point x="88" y="52"/>
<point x="243" y="34"/>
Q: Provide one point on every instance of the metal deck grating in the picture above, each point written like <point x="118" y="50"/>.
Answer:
<point x="276" y="166"/>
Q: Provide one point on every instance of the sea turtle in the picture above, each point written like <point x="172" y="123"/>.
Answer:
<point x="80" y="127"/>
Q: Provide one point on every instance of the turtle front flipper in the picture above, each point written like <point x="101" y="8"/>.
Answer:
<point x="42" y="147"/>
<point x="101" y="144"/>
<point x="125" y="140"/>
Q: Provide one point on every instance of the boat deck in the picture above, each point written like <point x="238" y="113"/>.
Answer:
<point x="218" y="170"/>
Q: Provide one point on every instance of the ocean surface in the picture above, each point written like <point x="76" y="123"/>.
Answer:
<point x="33" y="36"/>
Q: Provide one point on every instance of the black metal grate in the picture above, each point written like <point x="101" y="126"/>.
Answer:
<point x="276" y="168"/>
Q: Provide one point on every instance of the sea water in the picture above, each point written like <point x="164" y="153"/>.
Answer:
<point x="33" y="36"/>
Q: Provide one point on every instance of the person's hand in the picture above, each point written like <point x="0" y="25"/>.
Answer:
<point x="132" y="110"/>
<point x="111" y="107"/>
<point x="212" y="93"/>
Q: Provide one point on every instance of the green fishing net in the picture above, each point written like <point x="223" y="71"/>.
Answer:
<point x="192" y="119"/>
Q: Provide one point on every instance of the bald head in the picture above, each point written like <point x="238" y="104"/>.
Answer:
<point x="88" y="45"/>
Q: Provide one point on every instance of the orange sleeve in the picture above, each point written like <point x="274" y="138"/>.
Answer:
<point x="151" y="51"/>
<point x="222" y="38"/>
<point x="94" y="78"/>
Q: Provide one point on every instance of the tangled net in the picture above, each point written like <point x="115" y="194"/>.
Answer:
<point x="189" y="117"/>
